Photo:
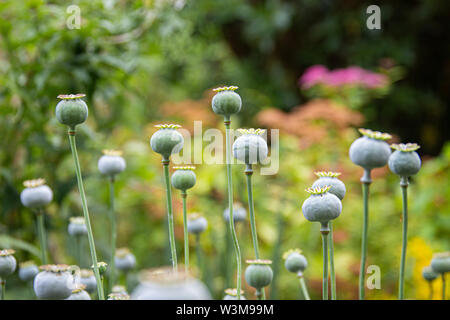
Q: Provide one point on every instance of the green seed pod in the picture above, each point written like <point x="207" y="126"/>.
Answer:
<point x="371" y="150"/>
<point x="184" y="178"/>
<point x="36" y="194"/>
<point x="231" y="294"/>
<point x="196" y="223"/>
<point x="8" y="263"/>
<point x="405" y="161"/>
<point x="54" y="282"/>
<point x="259" y="273"/>
<point x="295" y="262"/>
<point x="226" y="102"/>
<point x="124" y="260"/>
<point x="441" y="262"/>
<point x="111" y="163"/>
<point x="428" y="273"/>
<point x="321" y="206"/>
<point x="167" y="284"/>
<point x="250" y="147"/>
<point x="28" y="270"/>
<point x="330" y="179"/>
<point x="167" y="140"/>
<point x="71" y="110"/>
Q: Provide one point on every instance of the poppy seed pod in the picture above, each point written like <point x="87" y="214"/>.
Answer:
<point x="330" y="179"/>
<point x="119" y="289"/>
<point x="371" y="150"/>
<point x="77" y="226"/>
<point x="196" y="224"/>
<point x="405" y="161"/>
<point x="111" y="162"/>
<point x="28" y="270"/>
<point x="321" y="206"/>
<point x="167" y="140"/>
<point x="71" y="110"/>
<point x="295" y="262"/>
<point x="239" y="213"/>
<point x="250" y="147"/>
<point x="226" y="102"/>
<point x="167" y="284"/>
<point x="54" y="282"/>
<point x="118" y="296"/>
<point x="231" y="294"/>
<point x="183" y="178"/>
<point x="259" y="273"/>
<point x="428" y="273"/>
<point x="87" y="278"/>
<point x="102" y="267"/>
<point x="8" y="263"/>
<point x="36" y="194"/>
<point x="124" y="259"/>
<point x="441" y="262"/>
<point x="79" y="293"/>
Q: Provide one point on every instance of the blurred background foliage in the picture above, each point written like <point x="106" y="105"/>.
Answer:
<point x="145" y="62"/>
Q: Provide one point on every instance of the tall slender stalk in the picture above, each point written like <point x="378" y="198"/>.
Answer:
<point x="401" y="288"/>
<point x="73" y="147"/>
<point x="112" y="216"/>
<point x="173" y="249"/>
<point x="443" y="286"/>
<point x="186" y="235"/>
<point x="366" y="180"/>
<point x="78" y="249"/>
<point x="332" y="269"/>
<point x="42" y="236"/>
<point x="198" y="253"/>
<point x="251" y="208"/>
<point x="304" y="288"/>
<point x="324" y="233"/>
<point x="430" y="286"/>
<point x="3" y="285"/>
<point x="227" y="123"/>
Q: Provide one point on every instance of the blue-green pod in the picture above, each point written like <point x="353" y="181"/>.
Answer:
<point x="36" y="194"/>
<point x="111" y="163"/>
<point x="55" y="282"/>
<point x="428" y="273"/>
<point x="183" y="178"/>
<point x="330" y="179"/>
<point x="321" y="206"/>
<point x="196" y="224"/>
<point x="259" y="273"/>
<point x="167" y="140"/>
<point x="167" y="284"/>
<point x="77" y="226"/>
<point x="239" y="213"/>
<point x="371" y="150"/>
<point x="226" y="102"/>
<point x="124" y="260"/>
<point x="8" y="263"/>
<point x="295" y="262"/>
<point x="441" y="262"/>
<point x="28" y="270"/>
<point x="250" y="147"/>
<point x="405" y="161"/>
<point x="71" y="110"/>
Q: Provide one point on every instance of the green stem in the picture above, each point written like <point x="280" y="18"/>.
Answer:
<point x="304" y="288"/>
<point x="430" y="286"/>
<point x="251" y="207"/>
<point x="186" y="235"/>
<point x="173" y="249"/>
<point x="73" y="147"/>
<point x="324" y="234"/>
<point x="401" y="288"/>
<point x="78" y="249"/>
<point x="230" y="207"/>
<point x="41" y="234"/>
<point x="443" y="286"/>
<point x="198" y="250"/>
<point x="3" y="284"/>
<point x="112" y="215"/>
<point x="366" y="180"/>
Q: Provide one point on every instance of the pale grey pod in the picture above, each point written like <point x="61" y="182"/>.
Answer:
<point x="369" y="153"/>
<point x="8" y="265"/>
<point x="77" y="229"/>
<point x="28" y="273"/>
<point x="250" y="149"/>
<point x="125" y="263"/>
<point x="111" y="164"/>
<point x="197" y="225"/>
<point x="322" y="207"/>
<point x="296" y="263"/>
<point x="53" y="285"/>
<point x="337" y="186"/>
<point x="90" y="282"/>
<point x="239" y="213"/>
<point x="79" y="295"/>
<point x="440" y="263"/>
<point x="429" y="274"/>
<point x="36" y="197"/>
<point x="404" y="164"/>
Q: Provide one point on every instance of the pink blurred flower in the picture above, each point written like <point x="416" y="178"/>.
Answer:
<point x="313" y="75"/>
<point x="374" y="80"/>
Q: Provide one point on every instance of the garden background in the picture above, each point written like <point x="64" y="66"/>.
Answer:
<point x="146" y="62"/>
